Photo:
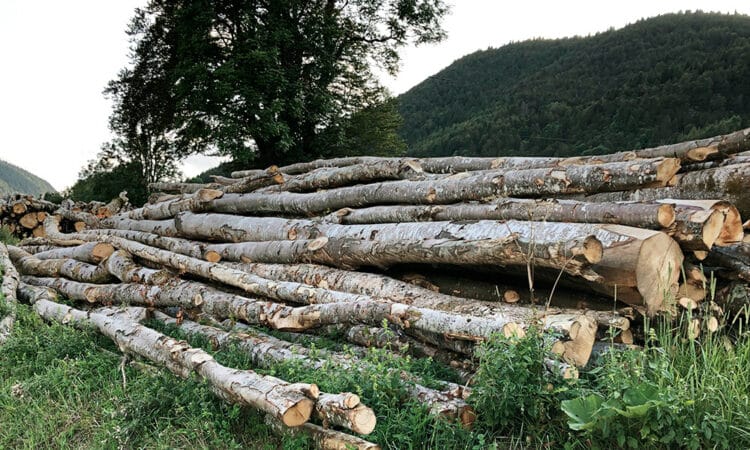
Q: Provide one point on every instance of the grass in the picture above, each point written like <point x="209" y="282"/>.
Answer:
<point x="63" y="388"/>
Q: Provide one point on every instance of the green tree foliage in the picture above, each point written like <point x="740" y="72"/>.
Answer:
<point x="256" y="79"/>
<point x="661" y="80"/>
<point x="102" y="183"/>
<point x="15" y="179"/>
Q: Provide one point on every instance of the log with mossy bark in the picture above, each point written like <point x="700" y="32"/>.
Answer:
<point x="642" y="215"/>
<point x="463" y="187"/>
<point x="289" y="403"/>
<point x="9" y="279"/>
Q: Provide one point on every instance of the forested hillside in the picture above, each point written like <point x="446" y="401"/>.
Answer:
<point x="665" y="79"/>
<point x="15" y="179"/>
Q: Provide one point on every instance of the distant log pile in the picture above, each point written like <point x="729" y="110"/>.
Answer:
<point x="446" y="252"/>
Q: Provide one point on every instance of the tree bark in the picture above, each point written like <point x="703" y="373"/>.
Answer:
<point x="69" y="268"/>
<point x="161" y="227"/>
<point x="182" y="188"/>
<point x="557" y="245"/>
<point x="121" y="265"/>
<point x="324" y="438"/>
<point x="169" y="208"/>
<point x="735" y="257"/>
<point x="177" y="245"/>
<point x="90" y="252"/>
<point x="253" y="182"/>
<point x="641" y="215"/>
<point x="287" y="402"/>
<point x="726" y="183"/>
<point x="266" y="350"/>
<point x="696" y="229"/>
<point x="462" y="187"/>
<point x="8" y="286"/>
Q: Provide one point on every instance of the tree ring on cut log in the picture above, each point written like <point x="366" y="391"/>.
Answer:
<point x="592" y="249"/>
<point x="652" y="277"/>
<point x="666" y="215"/>
<point x="299" y="413"/>
<point x="712" y="228"/>
<point x="667" y="168"/>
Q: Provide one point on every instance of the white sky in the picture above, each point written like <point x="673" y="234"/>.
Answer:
<point x="57" y="57"/>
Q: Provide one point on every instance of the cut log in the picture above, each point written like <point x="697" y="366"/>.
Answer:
<point x="696" y="229"/>
<point x="90" y="252"/>
<point x="182" y="188"/>
<point x="113" y="207"/>
<point x="176" y="245"/>
<point x="164" y="228"/>
<point x="8" y="300"/>
<point x="121" y="265"/>
<point x="169" y="208"/>
<point x="569" y="247"/>
<point x="735" y="257"/>
<point x="29" y="220"/>
<point x="69" y="268"/>
<point x="265" y="351"/>
<point x="267" y="177"/>
<point x="641" y="215"/>
<point x="287" y="402"/>
<point x="344" y="410"/>
<point x="463" y="187"/>
<point x="324" y="438"/>
<point x="726" y="183"/>
<point x="638" y="266"/>
<point x="328" y="178"/>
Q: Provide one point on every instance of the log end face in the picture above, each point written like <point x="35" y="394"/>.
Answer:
<point x="657" y="270"/>
<point x="212" y="256"/>
<point x="298" y="414"/>
<point x="364" y="420"/>
<point x="467" y="416"/>
<point x="666" y="215"/>
<point x="701" y="153"/>
<point x="666" y="169"/>
<point x="712" y="228"/>
<point x="593" y="250"/>
<point x="102" y="251"/>
<point x="732" y="230"/>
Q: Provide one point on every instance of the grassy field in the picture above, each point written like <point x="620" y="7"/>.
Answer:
<point x="67" y="388"/>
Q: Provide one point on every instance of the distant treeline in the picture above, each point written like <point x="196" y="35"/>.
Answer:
<point x="661" y="80"/>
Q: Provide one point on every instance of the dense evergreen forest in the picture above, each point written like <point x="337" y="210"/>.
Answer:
<point x="660" y="80"/>
<point x="15" y="179"/>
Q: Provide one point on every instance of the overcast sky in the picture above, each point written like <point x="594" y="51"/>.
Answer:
<point x="57" y="57"/>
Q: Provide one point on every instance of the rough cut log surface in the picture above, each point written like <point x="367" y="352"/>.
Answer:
<point x="8" y="287"/>
<point x="643" y="215"/>
<point x="287" y="402"/>
<point x="324" y="438"/>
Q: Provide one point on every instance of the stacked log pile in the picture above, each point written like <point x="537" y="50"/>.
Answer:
<point x="23" y="215"/>
<point x="445" y="251"/>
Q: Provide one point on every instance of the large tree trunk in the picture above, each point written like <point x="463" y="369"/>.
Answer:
<point x="548" y="244"/>
<point x="176" y="245"/>
<point x="462" y="187"/>
<point x="642" y="215"/>
<point x="287" y="402"/>
<point x="8" y="287"/>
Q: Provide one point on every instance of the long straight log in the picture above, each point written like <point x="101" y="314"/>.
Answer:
<point x="328" y="178"/>
<point x="91" y="252"/>
<point x="8" y="299"/>
<point x="569" y="247"/>
<point x="182" y="188"/>
<point x="121" y="265"/>
<point x="268" y="177"/>
<point x="641" y="215"/>
<point x="287" y="402"/>
<point x="324" y="438"/>
<point x="266" y="350"/>
<point x="463" y="187"/>
<point x="69" y="268"/>
<point x="726" y="183"/>
<point x="176" y="245"/>
<point x="164" y="228"/>
<point x="170" y="208"/>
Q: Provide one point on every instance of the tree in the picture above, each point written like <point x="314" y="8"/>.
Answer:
<point x="262" y="80"/>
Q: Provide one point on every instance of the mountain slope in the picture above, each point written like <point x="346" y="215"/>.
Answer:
<point x="16" y="179"/>
<point x="660" y="80"/>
